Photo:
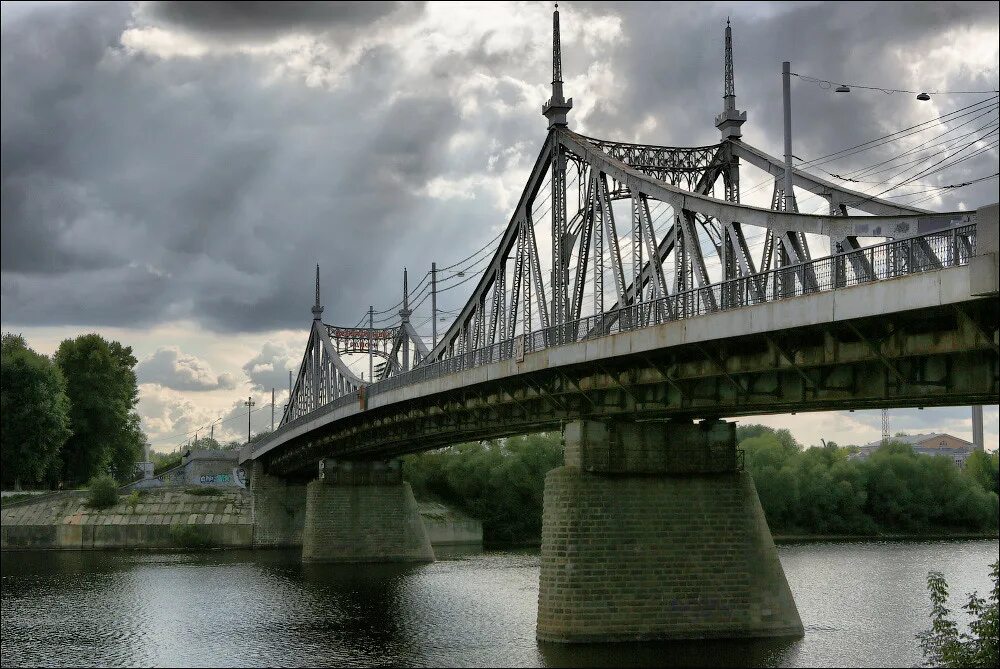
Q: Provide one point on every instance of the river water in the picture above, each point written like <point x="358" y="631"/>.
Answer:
<point x="861" y="604"/>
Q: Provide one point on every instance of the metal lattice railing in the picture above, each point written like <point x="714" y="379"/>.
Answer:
<point x="889" y="260"/>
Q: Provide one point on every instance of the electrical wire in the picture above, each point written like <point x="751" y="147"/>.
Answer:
<point x="826" y="84"/>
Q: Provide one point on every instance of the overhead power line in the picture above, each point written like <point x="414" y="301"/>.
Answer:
<point x="826" y="84"/>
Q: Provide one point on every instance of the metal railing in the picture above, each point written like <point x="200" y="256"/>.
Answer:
<point x="888" y="260"/>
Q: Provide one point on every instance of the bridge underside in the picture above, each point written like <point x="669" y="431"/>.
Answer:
<point x="944" y="356"/>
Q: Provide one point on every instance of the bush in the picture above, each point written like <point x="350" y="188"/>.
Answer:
<point x="133" y="500"/>
<point x="103" y="492"/>
<point x="203" y="492"/>
<point x="944" y="646"/>
<point x="189" y="536"/>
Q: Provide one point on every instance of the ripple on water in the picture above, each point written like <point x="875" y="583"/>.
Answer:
<point x="861" y="604"/>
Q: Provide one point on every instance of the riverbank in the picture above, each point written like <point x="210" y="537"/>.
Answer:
<point x="160" y="520"/>
<point x="791" y="539"/>
<point x="846" y="538"/>
<point x="173" y="518"/>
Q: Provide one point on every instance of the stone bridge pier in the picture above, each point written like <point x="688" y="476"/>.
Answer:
<point x="651" y="531"/>
<point x="362" y="512"/>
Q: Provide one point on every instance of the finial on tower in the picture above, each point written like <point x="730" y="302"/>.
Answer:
<point x="317" y="307"/>
<point x="730" y="120"/>
<point x="405" y="312"/>
<point x="557" y="107"/>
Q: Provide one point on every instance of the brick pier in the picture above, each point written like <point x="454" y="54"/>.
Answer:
<point x="363" y="512"/>
<point x="650" y="532"/>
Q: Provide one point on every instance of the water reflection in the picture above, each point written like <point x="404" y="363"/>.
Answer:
<point x="762" y="653"/>
<point x="861" y="604"/>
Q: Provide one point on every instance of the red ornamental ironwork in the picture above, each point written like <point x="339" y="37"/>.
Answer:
<point x="363" y="334"/>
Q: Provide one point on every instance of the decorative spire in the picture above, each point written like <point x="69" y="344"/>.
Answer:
<point x="730" y="84"/>
<point x="405" y="311"/>
<point x="730" y="120"/>
<point x="317" y="307"/>
<point x="557" y="107"/>
<point x="556" y="48"/>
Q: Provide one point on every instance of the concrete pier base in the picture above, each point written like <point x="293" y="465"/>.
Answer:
<point x="363" y="512"/>
<point x="650" y="532"/>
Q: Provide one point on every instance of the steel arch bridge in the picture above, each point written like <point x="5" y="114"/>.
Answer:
<point x="572" y="317"/>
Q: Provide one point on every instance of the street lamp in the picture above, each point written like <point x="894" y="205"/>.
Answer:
<point x="249" y="405"/>
<point x="211" y="428"/>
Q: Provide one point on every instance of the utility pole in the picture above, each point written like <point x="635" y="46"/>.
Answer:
<point x="371" y="332"/>
<point x="249" y="405"/>
<point x="272" y="409"/>
<point x="885" y="426"/>
<point x="786" y="94"/>
<point x="434" y="306"/>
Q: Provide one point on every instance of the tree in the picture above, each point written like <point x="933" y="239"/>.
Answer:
<point x="103" y="392"/>
<point x="34" y="413"/>
<point x="944" y="646"/>
<point x="984" y="469"/>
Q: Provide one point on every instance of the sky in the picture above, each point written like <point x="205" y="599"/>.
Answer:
<point x="173" y="172"/>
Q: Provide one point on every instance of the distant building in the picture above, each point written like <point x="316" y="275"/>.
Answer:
<point x="957" y="449"/>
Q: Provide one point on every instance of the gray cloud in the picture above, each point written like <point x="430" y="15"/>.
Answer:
<point x="263" y="20"/>
<point x="139" y="189"/>
<point x="269" y="368"/>
<point x="172" y="368"/>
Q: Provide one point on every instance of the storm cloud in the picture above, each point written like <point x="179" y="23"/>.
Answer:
<point x="166" y="161"/>
<point x="184" y="166"/>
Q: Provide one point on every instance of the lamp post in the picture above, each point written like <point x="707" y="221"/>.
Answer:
<point x="249" y="405"/>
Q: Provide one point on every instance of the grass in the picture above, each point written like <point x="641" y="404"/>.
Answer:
<point x="10" y="499"/>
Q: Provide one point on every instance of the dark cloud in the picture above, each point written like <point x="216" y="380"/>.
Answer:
<point x="264" y="19"/>
<point x="139" y="189"/>
<point x="172" y="368"/>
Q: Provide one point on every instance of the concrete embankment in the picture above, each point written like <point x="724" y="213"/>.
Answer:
<point x="172" y="518"/>
<point x="161" y="519"/>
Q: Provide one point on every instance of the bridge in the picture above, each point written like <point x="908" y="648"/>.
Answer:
<point x="651" y="530"/>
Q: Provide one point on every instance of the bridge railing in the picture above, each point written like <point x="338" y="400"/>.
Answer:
<point x="879" y="262"/>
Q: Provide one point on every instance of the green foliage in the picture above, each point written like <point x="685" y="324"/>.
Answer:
<point x="103" y="492"/>
<point x="133" y="500"/>
<point x="984" y="468"/>
<point x="803" y="491"/>
<point x="34" y="414"/>
<point x="101" y="385"/>
<point x="203" y="492"/>
<point x="499" y="482"/>
<point x="189" y="536"/>
<point x="821" y="491"/>
<point x="164" y="461"/>
<point x="944" y="646"/>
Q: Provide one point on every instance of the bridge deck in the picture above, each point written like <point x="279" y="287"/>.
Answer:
<point x="691" y="320"/>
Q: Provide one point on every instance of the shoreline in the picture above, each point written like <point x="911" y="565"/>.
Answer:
<point x="782" y="539"/>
